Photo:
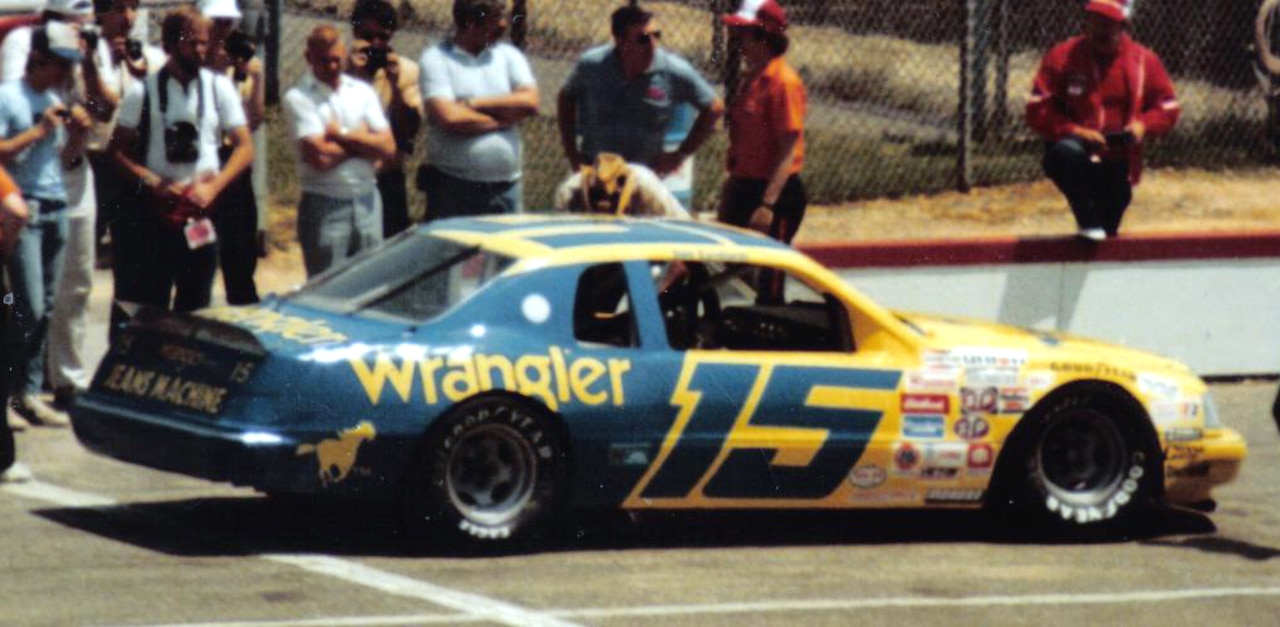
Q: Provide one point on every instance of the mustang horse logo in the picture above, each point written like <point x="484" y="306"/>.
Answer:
<point x="337" y="456"/>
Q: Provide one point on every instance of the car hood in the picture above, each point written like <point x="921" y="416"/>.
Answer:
<point x="1040" y="346"/>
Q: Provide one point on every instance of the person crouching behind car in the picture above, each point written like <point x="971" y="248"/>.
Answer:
<point x="613" y="186"/>
<point x="167" y="139"/>
<point x="340" y="132"/>
<point x="13" y="216"/>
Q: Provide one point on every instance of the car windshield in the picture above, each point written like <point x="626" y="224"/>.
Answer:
<point x="412" y="278"/>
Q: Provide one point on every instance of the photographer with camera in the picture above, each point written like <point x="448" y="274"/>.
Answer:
<point x="40" y="137"/>
<point x="395" y="79"/>
<point x="232" y="53"/>
<point x="167" y="138"/>
<point x="1096" y="99"/>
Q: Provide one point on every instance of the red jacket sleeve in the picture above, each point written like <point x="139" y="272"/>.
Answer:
<point x="1046" y="112"/>
<point x="1159" y="109"/>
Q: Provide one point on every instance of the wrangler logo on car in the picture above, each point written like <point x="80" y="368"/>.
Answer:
<point x="553" y="378"/>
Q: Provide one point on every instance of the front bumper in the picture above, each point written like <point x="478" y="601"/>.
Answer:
<point x="1193" y="469"/>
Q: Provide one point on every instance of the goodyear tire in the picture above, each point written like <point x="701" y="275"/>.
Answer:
<point x="490" y="473"/>
<point x="1088" y="466"/>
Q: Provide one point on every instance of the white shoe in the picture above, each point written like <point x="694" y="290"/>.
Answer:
<point x="17" y="473"/>
<point x="1094" y="234"/>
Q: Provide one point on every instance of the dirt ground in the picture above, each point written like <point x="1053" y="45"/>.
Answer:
<point x="1180" y="201"/>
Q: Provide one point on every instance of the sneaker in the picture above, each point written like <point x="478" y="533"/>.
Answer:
<point x="15" y="421"/>
<point x="17" y="473"/>
<point x="38" y="413"/>
<point x="1094" y="234"/>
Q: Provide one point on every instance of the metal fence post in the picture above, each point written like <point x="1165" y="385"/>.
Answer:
<point x="1000" y="97"/>
<point x="519" y="22"/>
<point x="273" y="51"/>
<point x="964" y="147"/>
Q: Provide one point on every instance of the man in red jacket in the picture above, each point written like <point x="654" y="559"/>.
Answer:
<point x="1096" y="99"/>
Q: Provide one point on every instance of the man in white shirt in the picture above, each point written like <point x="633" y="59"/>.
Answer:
<point x="182" y="112"/>
<point x="341" y="133"/>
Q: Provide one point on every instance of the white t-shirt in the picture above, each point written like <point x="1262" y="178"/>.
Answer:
<point x="650" y="198"/>
<point x="222" y="114"/>
<point x="118" y="78"/>
<point x="310" y="106"/>
<point x="452" y="73"/>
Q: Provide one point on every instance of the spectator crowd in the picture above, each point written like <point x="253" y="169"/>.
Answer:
<point x="141" y="156"/>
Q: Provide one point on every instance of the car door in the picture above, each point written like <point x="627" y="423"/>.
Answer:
<point x="774" y="406"/>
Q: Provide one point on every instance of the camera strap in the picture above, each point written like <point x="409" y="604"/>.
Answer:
<point x="162" y="79"/>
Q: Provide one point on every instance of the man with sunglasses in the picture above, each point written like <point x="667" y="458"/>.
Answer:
<point x="395" y="79"/>
<point x="477" y="90"/>
<point x="622" y="97"/>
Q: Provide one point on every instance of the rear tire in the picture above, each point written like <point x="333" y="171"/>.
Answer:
<point x="490" y="473"/>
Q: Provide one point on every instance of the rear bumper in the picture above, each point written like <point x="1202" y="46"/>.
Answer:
<point x="1193" y="469"/>
<point x="266" y="461"/>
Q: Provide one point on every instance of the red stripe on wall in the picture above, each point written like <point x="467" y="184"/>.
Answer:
<point x="1007" y="250"/>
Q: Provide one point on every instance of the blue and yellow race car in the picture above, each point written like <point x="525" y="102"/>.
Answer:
<point x="490" y="373"/>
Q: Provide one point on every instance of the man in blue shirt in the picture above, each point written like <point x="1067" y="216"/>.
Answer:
<point x="621" y="98"/>
<point x="39" y="137"/>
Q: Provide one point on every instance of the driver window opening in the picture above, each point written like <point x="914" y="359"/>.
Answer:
<point x="738" y="306"/>
<point x="602" y="311"/>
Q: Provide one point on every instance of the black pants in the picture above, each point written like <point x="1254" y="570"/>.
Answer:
<point x="395" y="202"/>
<point x="236" y="221"/>
<point x="6" y="436"/>
<point x="1098" y="191"/>
<point x="153" y="265"/>
<point x="743" y="196"/>
<point x="110" y="193"/>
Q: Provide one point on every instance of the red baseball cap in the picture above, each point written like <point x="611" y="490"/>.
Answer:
<point x="1117" y="10"/>
<point x="767" y="14"/>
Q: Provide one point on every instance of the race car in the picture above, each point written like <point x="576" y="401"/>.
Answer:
<point x="490" y="373"/>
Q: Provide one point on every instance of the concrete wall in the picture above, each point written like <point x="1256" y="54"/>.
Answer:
<point x="1211" y="301"/>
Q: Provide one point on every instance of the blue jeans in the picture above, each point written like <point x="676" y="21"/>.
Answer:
<point x="449" y="196"/>
<point x="34" y="269"/>
<point x="332" y="229"/>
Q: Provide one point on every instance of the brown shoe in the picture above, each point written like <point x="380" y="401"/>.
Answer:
<point x="40" y="414"/>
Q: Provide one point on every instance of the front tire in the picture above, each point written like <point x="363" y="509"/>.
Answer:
<point x="1087" y="464"/>
<point x="491" y="472"/>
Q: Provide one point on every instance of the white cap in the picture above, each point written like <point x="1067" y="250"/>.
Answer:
<point x="214" y="9"/>
<point x="69" y="7"/>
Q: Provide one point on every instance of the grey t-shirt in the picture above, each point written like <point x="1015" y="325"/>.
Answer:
<point x="455" y="74"/>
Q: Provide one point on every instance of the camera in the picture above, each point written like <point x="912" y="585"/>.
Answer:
<point x="133" y="48"/>
<point x="240" y="46"/>
<point x="1119" y="140"/>
<point x="181" y="143"/>
<point x="377" y="58"/>
<point x="90" y="33"/>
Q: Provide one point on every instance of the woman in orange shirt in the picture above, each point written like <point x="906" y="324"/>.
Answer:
<point x="766" y="127"/>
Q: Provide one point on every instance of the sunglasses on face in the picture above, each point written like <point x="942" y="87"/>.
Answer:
<point x="648" y="38"/>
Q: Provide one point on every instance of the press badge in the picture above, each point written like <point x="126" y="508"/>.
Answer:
<point x="200" y="233"/>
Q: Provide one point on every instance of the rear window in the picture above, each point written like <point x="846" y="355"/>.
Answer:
<point x="411" y="278"/>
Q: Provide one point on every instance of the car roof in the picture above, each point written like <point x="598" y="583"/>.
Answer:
<point x="581" y="237"/>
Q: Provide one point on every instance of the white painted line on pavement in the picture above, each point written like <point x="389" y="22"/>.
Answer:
<point x="467" y="603"/>
<point x="1147" y="596"/>
<point x="474" y="607"/>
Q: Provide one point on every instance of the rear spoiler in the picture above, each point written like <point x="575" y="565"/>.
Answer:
<point x="197" y="329"/>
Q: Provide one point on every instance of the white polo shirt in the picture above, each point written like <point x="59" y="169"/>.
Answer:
<point x="222" y="114"/>
<point x="310" y="106"/>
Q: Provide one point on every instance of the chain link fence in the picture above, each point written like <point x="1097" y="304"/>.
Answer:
<point x="888" y="115"/>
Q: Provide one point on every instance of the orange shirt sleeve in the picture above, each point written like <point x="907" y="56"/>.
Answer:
<point x="790" y="101"/>
<point x="7" y="186"/>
